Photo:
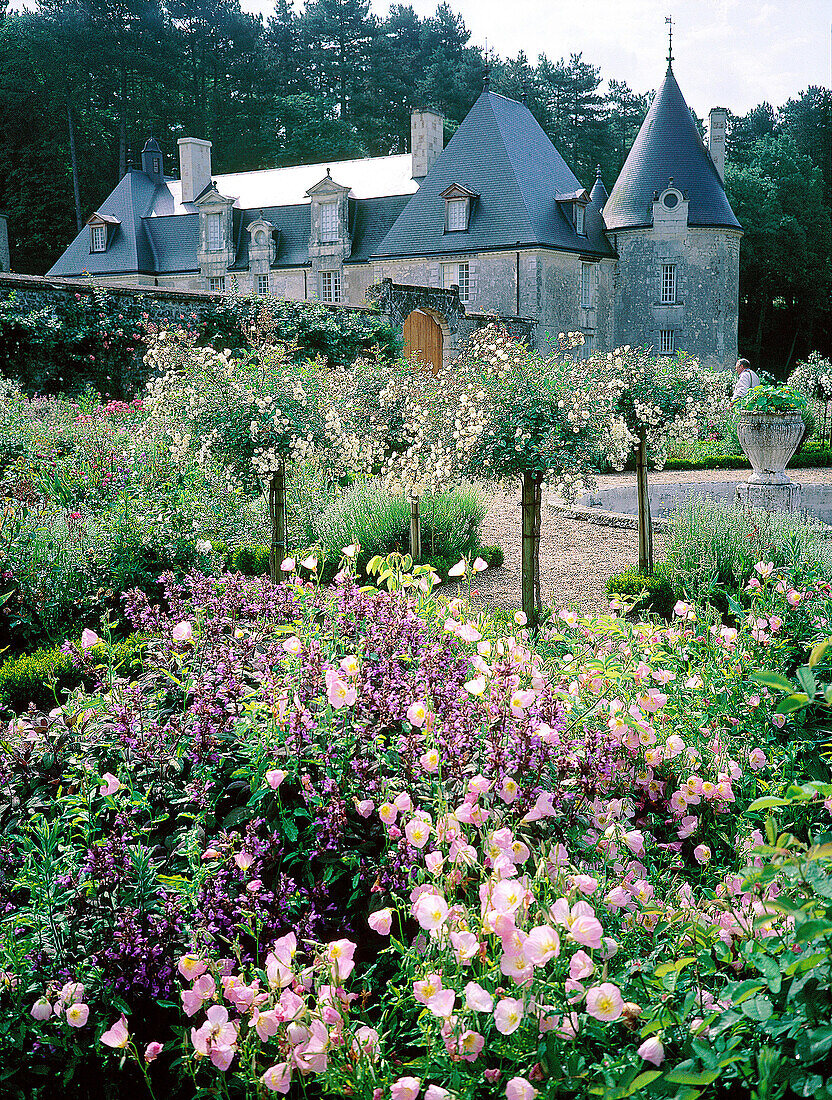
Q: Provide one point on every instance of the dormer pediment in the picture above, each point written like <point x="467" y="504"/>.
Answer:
<point x="327" y="188"/>
<point x="211" y="197"/>
<point x="102" y="219"/>
<point x="457" y="191"/>
<point x="581" y="196"/>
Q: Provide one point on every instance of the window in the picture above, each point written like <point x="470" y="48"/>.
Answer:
<point x="668" y="283"/>
<point x="580" y="219"/>
<point x="157" y="165"/>
<point x="667" y="342"/>
<point x="98" y="238"/>
<point x="456" y="215"/>
<point x="261" y="238"/>
<point x="457" y="275"/>
<point x="330" y="286"/>
<point x="216" y="284"/>
<point x="329" y="221"/>
<point x="588" y="345"/>
<point x="587" y="278"/>
<point x="263" y="285"/>
<point x="213" y="232"/>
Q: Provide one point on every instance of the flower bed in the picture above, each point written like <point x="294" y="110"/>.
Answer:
<point x="365" y="843"/>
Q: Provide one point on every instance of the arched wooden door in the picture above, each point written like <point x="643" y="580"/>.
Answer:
<point x="423" y="338"/>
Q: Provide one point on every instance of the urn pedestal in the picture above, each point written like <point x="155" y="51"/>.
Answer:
<point x="769" y="441"/>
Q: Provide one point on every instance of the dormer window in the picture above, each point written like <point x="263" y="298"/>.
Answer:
<point x="329" y="221"/>
<point x="98" y="238"/>
<point x="457" y="215"/>
<point x="213" y="232"/>
<point x="580" y="219"/>
<point x="573" y="206"/>
<point x="458" y="204"/>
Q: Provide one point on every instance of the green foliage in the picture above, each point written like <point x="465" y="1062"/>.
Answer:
<point x="772" y="399"/>
<point x="647" y="592"/>
<point x="711" y="548"/>
<point x="43" y="676"/>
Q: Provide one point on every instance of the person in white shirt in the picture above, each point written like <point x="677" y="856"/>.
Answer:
<point x="746" y="379"/>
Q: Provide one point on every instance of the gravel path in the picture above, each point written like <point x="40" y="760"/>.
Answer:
<point x="576" y="556"/>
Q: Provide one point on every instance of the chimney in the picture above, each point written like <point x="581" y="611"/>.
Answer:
<point x="194" y="166"/>
<point x="427" y="139"/>
<point x="5" y="264"/>
<point x="717" y="125"/>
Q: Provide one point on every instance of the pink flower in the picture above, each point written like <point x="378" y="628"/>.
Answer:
<point x="508" y="1015"/>
<point x="338" y="693"/>
<point x="365" y="807"/>
<point x="406" y="1088"/>
<point x="41" y="1009"/>
<point x="366" y="1041"/>
<point x="652" y="1050"/>
<point x="793" y="597"/>
<point x="757" y="759"/>
<point x="274" y="777"/>
<point x="118" y="1036"/>
<point x="266" y="1024"/>
<point x="431" y="911"/>
<point x="340" y="954"/>
<point x="217" y="1038"/>
<point x="586" y="930"/>
<point x="764" y="568"/>
<point x="542" y="944"/>
<point x="580" y="966"/>
<point x="604" y="1002"/>
<point x="778" y="720"/>
<point x="191" y="967"/>
<point x="182" y="632"/>
<point x="111" y="784"/>
<point x="702" y="853"/>
<point x="477" y="998"/>
<point x="442" y="1002"/>
<point x="152" y="1051"/>
<point x="430" y="760"/>
<point x="417" y="832"/>
<point x="203" y="990"/>
<point x="436" y="1092"/>
<point x="89" y="639"/>
<point x="77" y="1015"/>
<point x="518" y="1088"/>
<point x="687" y="826"/>
<point x="380" y="921"/>
<point x="417" y="714"/>
<point x="278" y="1078"/>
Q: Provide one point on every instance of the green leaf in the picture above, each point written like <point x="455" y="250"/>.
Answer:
<point x="813" y="929"/>
<point x="792" y="702"/>
<point x="807" y="681"/>
<point x="819" y="652"/>
<point x="757" y="1008"/>
<point x="768" y="802"/>
<point x="686" y="1077"/>
<point x="745" y="990"/>
<point x="772" y="680"/>
<point x="670" y="967"/>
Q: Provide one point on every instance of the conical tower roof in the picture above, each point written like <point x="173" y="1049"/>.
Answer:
<point x="598" y="195"/>
<point x="668" y="147"/>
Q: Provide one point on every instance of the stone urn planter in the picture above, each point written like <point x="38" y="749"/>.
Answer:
<point x="769" y="440"/>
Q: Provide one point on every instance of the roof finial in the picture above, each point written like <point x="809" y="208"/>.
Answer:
<point x="597" y="171"/>
<point x="669" y="20"/>
<point x="487" y="78"/>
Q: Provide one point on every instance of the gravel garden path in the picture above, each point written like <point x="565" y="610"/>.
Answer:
<point x="576" y="556"/>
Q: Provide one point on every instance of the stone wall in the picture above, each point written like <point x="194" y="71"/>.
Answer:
<point x="704" y="316"/>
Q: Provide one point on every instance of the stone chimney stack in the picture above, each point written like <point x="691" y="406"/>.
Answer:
<point x="5" y="262"/>
<point x="194" y="166"/>
<point x="717" y="125"/>
<point x="427" y="140"/>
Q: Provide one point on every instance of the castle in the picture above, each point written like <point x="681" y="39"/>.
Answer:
<point x="494" y="223"/>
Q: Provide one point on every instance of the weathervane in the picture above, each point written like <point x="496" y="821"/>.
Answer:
<point x="669" y="20"/>
<point x="488" y="53"/>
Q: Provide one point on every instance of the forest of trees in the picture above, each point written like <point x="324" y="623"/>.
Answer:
<point x="83" y="83"/>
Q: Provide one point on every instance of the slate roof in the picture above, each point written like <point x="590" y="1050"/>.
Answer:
<point x="598" y="195"/>
<point x="501" y="153"/>
<point x="128" y="248"/>
<point x="668" y="145"/>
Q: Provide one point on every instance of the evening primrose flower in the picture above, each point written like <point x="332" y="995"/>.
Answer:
<point x="457" y="570"/>
<point x="41" y="1009"/>
<point x="417" y="832"/>
<point x="182" y="632"/>
<point x="604" y="1002"/>
<point x="380" y="921"/>
<point x="518" y="1088"/>
<point x="340" y="954"/>
<point x="89" y="639"/>
<point x="652" y="1050"/>
<point x="117" y="1036"/>
<point x="278" y="1078"/>
<point x="111" y="784"/>
<point x="77" y="1014"/>
<point x="431" y="911"/>
<point x="508" y="1015"/>
<point x="406" y="1088"/>
<point x="417" y="713"/>
<point x="430" y="760"/>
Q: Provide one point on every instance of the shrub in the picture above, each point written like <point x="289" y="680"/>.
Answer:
<point x="44" y="675"/>
<point x="711" y="548"/>
<point x="658" y="594"/>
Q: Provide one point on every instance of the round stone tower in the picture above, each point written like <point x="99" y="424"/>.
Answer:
<point x="677" y="239"/>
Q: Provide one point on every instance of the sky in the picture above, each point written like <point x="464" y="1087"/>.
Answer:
<point x="727" y="53"/>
